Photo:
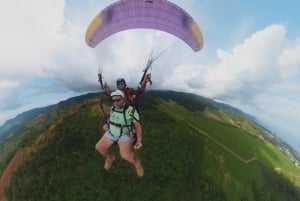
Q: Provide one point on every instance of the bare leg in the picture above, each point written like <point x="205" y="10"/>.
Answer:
<point x="102" y="147"/>
<point x="126" y="151"/>
<point x="127" y="154"/>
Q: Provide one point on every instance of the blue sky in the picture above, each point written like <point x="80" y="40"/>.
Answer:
<point x="250" y="57"/>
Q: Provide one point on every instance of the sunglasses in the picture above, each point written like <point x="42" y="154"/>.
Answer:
<point x="116" y="100"/>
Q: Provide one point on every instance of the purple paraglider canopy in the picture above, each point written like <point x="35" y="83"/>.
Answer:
<point x="152" y="14"/>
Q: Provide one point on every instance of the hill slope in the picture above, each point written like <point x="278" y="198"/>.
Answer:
<point x="194" y="150"/>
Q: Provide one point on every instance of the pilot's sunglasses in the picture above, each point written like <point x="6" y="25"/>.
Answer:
<point x="116" y="100"/>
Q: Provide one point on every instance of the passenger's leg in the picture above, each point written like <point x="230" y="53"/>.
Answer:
<point x="102" y="147"/>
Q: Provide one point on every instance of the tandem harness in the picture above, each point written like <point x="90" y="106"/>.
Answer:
<point x="126" y="125"/>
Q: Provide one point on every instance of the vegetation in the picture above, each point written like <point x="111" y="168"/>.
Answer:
<point x="23" y="130"/>
<point x="193" y="150"/>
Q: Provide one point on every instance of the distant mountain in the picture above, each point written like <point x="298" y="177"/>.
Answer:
<point x="11" y="126"/>
<point x="194" y="149"/>
<point x="32" y="120"/>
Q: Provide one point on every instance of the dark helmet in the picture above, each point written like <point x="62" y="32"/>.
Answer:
<point x="121" y="81"/>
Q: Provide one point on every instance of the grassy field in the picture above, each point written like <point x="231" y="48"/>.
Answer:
<point x="232" y="155"/>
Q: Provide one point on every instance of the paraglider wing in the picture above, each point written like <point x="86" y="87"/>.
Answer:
<point x="153" y="14"/>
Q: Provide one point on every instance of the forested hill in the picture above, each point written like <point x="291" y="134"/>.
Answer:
<point x="194" y="149"/>
<point x="12" y="125"/>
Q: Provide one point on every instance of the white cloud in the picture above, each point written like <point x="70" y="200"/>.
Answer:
<point x="249" y="69"/>
<point x="291" y="56"/>
<point x="28" y="42"/>
<point x="29" y="36"/>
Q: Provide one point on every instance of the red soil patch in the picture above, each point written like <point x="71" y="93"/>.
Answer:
<point x="7" y="173"/>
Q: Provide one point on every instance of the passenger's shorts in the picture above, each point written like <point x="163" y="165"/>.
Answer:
<point x="124" y="138"/>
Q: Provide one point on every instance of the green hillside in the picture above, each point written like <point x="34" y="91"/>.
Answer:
<point x="194" y="149"/>
<point x="21" y="130"/>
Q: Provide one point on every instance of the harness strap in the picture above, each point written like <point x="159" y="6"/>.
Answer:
<point x="126" y="125"/>
<point x="118" y="125"/>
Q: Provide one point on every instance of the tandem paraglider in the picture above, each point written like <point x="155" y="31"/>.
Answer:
<point x="122" y="126"/>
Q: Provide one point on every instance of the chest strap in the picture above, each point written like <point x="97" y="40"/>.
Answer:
<point x="118" y="125"/>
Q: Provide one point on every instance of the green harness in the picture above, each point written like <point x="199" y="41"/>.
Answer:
<point x="130" y="126"/>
